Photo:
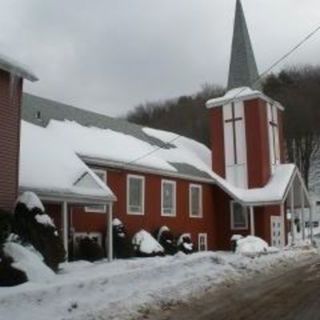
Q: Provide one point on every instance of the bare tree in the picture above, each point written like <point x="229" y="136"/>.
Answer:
<point x="298" y="90"/>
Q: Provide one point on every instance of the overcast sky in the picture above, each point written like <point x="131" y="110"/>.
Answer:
<point x="110" y="55"/>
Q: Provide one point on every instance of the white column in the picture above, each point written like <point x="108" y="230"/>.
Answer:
<point x="283" y="218"/>
<point x="292" y="214"/>
<point x="110" y="233"/>
<point x="302" y="213"/>
<point x="252" y="227"/>
<point x="65" y="226"/>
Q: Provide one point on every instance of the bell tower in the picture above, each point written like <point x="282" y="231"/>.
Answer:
<point x="246" y="125"/>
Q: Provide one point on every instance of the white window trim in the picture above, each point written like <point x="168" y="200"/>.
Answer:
<point x="232" y="218"/>
<point x="205" y="236"/>
<point x="94" y="210"/>
<point x="142" y="178"/>
<point x="200" y="215"/>
<point x="174" y="209"/>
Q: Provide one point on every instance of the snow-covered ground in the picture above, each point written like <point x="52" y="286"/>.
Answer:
<point x="125" y="288"/>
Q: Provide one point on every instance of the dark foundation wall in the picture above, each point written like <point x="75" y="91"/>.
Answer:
<point x="10" y="101"/>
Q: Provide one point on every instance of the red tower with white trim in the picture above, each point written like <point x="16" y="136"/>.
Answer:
<point x="246" y="125"/>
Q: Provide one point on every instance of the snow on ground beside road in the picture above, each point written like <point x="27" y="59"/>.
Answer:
<point x="122" y="289"/>
<point x="251" y="246"/>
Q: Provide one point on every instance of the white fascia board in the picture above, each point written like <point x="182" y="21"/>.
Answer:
<point x="53" y="196"/>
<point x="218" y="102"/>
<point x="142" y="169"/>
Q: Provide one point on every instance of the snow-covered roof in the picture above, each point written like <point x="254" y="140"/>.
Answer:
<point x="95" y="144"/>
<point x="240" y="94"/>
<point x="273" y="192"/>
<point x="49" y="167"/>
<point x="16" y="68"/>
<point x="105" y="142"/>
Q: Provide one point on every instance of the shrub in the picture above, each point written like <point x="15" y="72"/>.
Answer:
<point x="167" y="240"/>
<point x="145" y="245"/>
<point x="122" y="247"/>
<point x="34" y="226"/>
<point x="9" y="276"/>
<point x="5" y="225"/>
<point x="90" y="250"/>
<point x="185" y="244"/>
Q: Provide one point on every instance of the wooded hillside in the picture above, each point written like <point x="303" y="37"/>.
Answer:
<point x="297" y="89"/>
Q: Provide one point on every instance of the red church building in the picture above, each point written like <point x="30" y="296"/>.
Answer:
<point x="89" y="168"/>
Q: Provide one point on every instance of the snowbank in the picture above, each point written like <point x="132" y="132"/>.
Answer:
<point x="251" y="245"/>
<point x="28" y="261"/>
<point x="118" y="290"/>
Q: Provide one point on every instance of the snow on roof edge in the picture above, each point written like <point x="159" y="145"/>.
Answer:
<point x="12" y="66"/>
<point x="271" y="193"/>
<point x="241" y="94"/>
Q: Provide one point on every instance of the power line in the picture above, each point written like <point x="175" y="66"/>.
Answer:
<point x="262" y="75"/>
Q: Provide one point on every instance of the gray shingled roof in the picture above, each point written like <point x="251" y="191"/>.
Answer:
<point x="40" y="111"/>
<point x="243" y="70"/>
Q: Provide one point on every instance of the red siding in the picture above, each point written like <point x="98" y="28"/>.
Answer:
<point x="9" y="141"/>
<point x="258" y="156"/>
<point x="263" y="221"/>
<point x="223" y="225"/>
<point x="83" y="221"/>
<point x="217" y="141"/>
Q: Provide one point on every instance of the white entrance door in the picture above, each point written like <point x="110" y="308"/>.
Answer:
<point x="277" y="235"/>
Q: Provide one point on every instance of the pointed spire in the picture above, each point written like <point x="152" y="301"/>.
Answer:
<point x="243" y="70"/>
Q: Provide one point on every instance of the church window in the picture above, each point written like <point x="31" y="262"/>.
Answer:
<point x="239" y="216"/>
<point x="202" y="242"/>
<point x="135" y="194"/>
<point x="168" y="198"/>
<point x="100" y="208"/>
<point x="195" y="201"/>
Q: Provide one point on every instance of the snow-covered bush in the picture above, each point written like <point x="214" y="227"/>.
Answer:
<point x="35" y="227"/>
<point x="251" y="246"/>
<point x="5" y="225"/>
<point x="234" y="240"/>
<point x="90" y="250"/>
<point x="9" y="275"/>
<point x="145" y="245"/>
<point x="167" y="240"/>
<point x="28" y="260"/>
<point x="122" y="246"/>
<point x="185" y="243"/>
<point x="20" y="263"/>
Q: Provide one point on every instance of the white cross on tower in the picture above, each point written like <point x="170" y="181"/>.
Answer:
<point x="273" y="135"/>
<point x="233" y="121"/>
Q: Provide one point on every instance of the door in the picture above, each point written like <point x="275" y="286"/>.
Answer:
<point x="277" y="235"/>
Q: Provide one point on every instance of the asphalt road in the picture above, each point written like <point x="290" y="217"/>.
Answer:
<point x="293" y="294"/>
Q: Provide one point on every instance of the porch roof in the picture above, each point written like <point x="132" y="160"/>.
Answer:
<point x="274" y="192"/>
<point x="51" y="169"/>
